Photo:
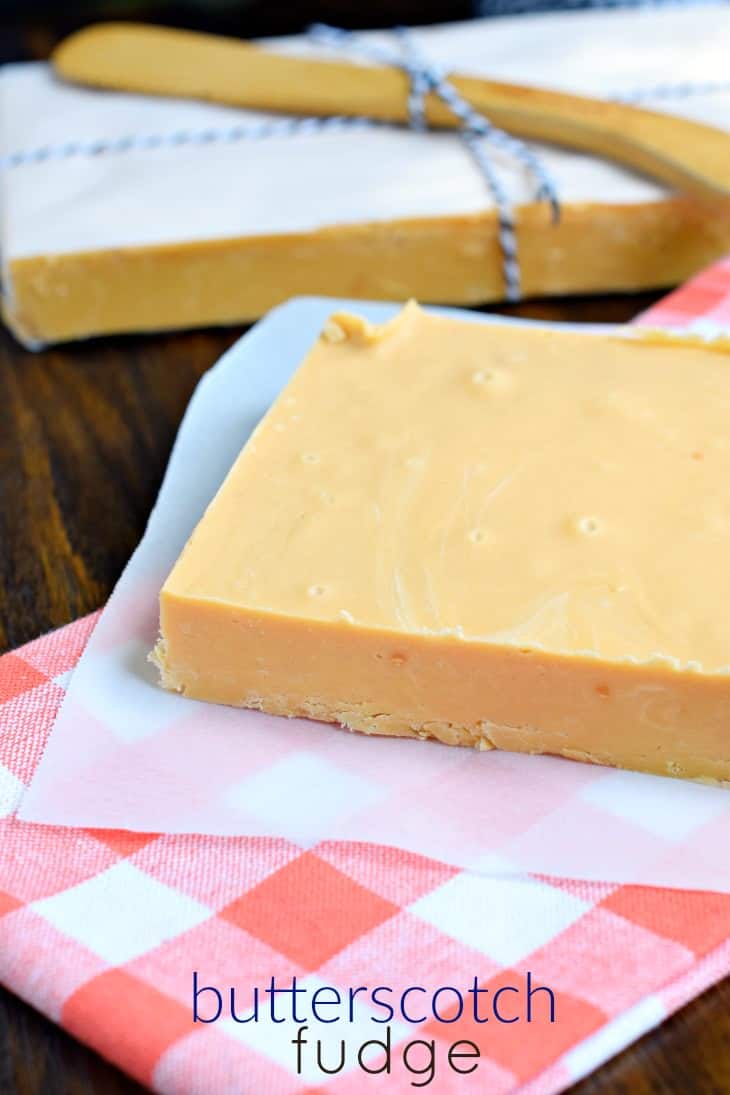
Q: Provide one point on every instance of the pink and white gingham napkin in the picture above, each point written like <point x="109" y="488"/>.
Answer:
<point x="701" y="306"/>
<point x="102" y="929"/>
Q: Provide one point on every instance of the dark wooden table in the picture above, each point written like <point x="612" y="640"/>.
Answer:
<point x="85" y="432"/>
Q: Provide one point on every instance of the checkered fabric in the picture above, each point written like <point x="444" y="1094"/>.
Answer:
<point x="102" y="930"/>
<point x="702" y="305"/>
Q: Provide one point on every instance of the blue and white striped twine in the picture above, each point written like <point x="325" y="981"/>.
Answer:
<point x="475" y="131"/>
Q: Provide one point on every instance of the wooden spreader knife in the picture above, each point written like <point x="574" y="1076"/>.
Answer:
<point x="683" y="154"/>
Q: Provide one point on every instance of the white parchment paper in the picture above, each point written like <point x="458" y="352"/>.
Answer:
<point x="220" y="188"/>
<point x="124" y="754"/>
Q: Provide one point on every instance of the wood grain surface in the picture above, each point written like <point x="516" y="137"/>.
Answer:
<point x="85" y="433"/>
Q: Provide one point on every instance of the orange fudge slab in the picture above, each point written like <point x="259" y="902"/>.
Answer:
<point x="492" y="535"/>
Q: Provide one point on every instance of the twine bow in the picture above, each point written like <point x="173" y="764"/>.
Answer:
<point x="475" y="130"/>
